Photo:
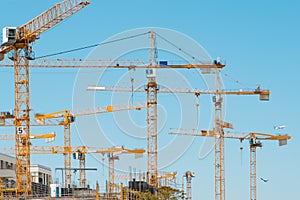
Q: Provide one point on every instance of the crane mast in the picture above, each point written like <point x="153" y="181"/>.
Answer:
<point x="82" y="174"/>
<point x="151" y="90"/>
<point x="219" y="142"/>
<point x="67" y="119"/>
<point x="111" y="173"/>
<point x="253" y="145"/>
<point x="189" y="175"/>
<point x="22" y="121"/>
<point x="67" y="144"/>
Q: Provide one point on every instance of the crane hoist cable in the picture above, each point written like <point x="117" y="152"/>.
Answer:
<point x="234" y="80"/>
<point x="93" y="45"/>
<point x="178" y="48"/>
<point x="118" y="40"/>
<point x="132" y="89"/>
<point x="197" y="105"/>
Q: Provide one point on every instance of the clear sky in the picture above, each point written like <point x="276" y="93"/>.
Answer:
<point x="259" y="41"/>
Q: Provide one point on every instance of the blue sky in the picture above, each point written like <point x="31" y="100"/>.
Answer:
<point x="259" y="41"/>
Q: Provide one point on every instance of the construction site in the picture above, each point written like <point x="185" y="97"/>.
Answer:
<point x="57" y="154"/>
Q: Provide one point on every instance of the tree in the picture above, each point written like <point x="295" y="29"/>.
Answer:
<point x="163" y="193"/>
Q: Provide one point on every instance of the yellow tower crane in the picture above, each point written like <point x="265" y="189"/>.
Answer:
<point x="66" y="117"/>
<point x="19" y="41"/>
<point x="254" y="142"/>
<point x="112" y="156"/>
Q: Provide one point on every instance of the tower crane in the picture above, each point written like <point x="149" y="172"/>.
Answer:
<point x="112" y="156"/>
<point x="19" y="40"/>
<point x="65" y="118"/>
<point x="109" y="152"/>
<point x="254" y="142"/>
<point x="189" y="175"/>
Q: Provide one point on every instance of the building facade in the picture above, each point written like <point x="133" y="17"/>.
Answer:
<point x="40" y="175"/>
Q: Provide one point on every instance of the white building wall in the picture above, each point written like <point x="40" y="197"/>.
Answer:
<point x="39" y="173"/>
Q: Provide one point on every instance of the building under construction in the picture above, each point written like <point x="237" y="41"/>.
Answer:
<point x="20" y="179"/>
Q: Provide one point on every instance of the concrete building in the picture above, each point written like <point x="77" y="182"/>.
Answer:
<point x="40" y="175"/>
<point x="40" y="180"/>
<point x="7" y="171"/>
